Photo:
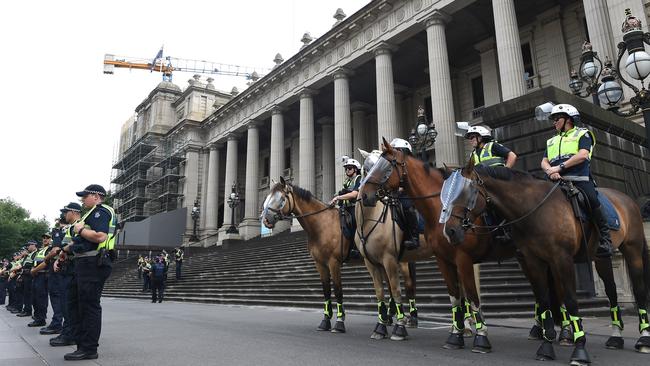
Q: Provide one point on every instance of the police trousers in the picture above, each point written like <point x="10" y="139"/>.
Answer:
<point x="39" y="295"/>
<point x="84" y="305"/>
<point x="3" y="290"/>
<point x="55" y="291"/>
<point x="27" y="293"/>
<point x="589" y="189"/>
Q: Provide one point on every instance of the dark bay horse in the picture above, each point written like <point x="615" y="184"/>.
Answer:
<point x="327" y="245"/>
<point x="396" y="169"/>
<point x="548" y="235"/>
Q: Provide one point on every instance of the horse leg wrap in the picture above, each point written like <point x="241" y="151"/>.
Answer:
<point x="339" y="326"/>
<point x="643" y="344"/>
<point x="340" y="312"/>
<point x="580" y="355"/>
<point x="578" y="330"/>
<point x="326" y="324"/>
<point x="382" y="312"/>
<point x="457" y="318"/>
<point x="413" y="318"/>
<point x="548" y="326"/>
<point x="565" y="338"/>
<point x="478" y="321"/>
<point x="328" y="309"/>
<point x="391" y="311"/>
<point x="536" y="331"/>
<point x="615" y="341"/>
<point x="643" y="320"/>
<point x="468" y="309"/>
<point x="615" y="313"/>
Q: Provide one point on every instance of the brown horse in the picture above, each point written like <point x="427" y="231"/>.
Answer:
<point x="327" y="245"/>
<point x="397" y="169"/>
<point x="549" y="235"/>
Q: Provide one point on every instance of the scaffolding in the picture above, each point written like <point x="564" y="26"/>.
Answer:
<point x="163" y="193"/>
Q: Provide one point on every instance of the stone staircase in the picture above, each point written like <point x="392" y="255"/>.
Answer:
<point x="278" y="271"/>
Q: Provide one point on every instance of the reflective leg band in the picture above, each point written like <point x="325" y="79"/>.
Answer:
<point x="412" y="307"/>
<point x="339" y="311"/>
<point x="578" y="330"/>
<point x="546" y="319"/>
<point x="400" y="313"/>
<point x="616" y="317"/>
<point x="565" y="316"/>
<point x="478" y="319"/>
<point x="643" y="320"/>
<point x="328" y="308"/>
<point x="468" y="310"/>
<point x="382" y="312"/>
<point x="391" y="306"/>
<point x="457" y="316"/>
<point x="537" y="315"/>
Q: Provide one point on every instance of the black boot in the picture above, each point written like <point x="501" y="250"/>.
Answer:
<point x="604" y="249"/>
<point x="411" y="237"/>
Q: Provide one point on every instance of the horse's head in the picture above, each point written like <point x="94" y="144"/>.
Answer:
<point x="386" y="175"/>
<point x="278" y="204"/>
<point x="460" y="202"/>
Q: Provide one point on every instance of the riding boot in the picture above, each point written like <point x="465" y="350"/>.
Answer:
<point x="412" y="240"/>
<point x="604" y="249"/>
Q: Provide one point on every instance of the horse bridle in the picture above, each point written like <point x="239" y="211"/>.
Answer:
<point x="279" y="215"/>
<point x="465" y="219"/>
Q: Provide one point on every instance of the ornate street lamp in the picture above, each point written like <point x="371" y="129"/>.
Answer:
<point x="588" y="72"/>
<point x="233" y="201"/>
<point x="196" y="214"/>
<point x="423" y="136"/>
<point x="637" y="66"/>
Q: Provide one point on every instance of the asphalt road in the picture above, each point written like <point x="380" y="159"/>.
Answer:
<point x="140" y="333"/>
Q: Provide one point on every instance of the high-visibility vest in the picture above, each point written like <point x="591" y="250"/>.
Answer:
<point x="566" y="144"/>
<point x="348" y="184"/>
<point x="40" y="254"/>
<point x="109" y="243"/>
<point x="486" y="157"/>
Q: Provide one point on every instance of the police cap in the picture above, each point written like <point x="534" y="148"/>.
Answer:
<point x="72" y="206"/>
<point x="92" y="189"/>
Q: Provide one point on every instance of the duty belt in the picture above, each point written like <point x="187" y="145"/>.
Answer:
<point x="90" y="253"/>
<point x="576" y="178"/>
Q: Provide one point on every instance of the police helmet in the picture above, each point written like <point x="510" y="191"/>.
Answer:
<point x="401" y="144"/>
<point x="478" y="130"/>
<point x="352" y="162"/>
<point x="566" y="109"/>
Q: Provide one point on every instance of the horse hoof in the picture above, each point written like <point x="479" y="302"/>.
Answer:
<point x="377" y="336"/>
<point x="325" y="325"/>
<point x="565" y="339"/>
<point x="481" y="344"/>
<point x="412" y="322"/>
<point x="545" y="352"/>
<point x="339" y="327"/>
<point x="454" y="341"/>
<point x="379" y="332"/>
<point x="535" y="333"/>
<point x="399" y="333"/>
<point x="579" y="356"/>
<point x="467" y="333"/>
<point x="614" y="343"/>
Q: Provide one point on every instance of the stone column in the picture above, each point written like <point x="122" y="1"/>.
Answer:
<point x="489" y="71"/>
<point x="211" y="206"/>
<point x="511" y="63"/>
<point x="277" y="156"/>
<point x="231" y="177"/>
<point x="386" y="116"/>
<point x="250" y="227"/>
<point x="306" y="159"/>
<point x="328" y="158"/>
<point x="558" y="66"/>
<point x="600" y="30"/>
<point x="190" y="185"/>
<point x="359" y="127"/>
<point x="342" y="120"/>
<point x="441" y="97"/>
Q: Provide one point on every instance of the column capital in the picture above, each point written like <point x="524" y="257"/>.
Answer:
<point x="360" y="106"/>
<point x="342" y="73"/>
<point x="383" y="48"/>
<point x="232" y="136"/>
<point x="307" y="93"/>
<point x="277" y="110"/>
<point x="485" y="45"/>
<point x="214" y="145"/>
<point x="253" y="124"/>
<point x="437" y="17"/>
<point x="325" y="121"/>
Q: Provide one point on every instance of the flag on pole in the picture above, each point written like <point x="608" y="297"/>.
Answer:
<point x="158" y="56"/>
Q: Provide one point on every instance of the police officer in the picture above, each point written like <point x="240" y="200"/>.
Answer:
<point x="26" y="278"/>
<point x="178" y="256"/>
<point x="54" y="280"/>
<point x="4" y="275"/>
<point x="39" y="282"/>
<point x="347" y="197"/>
<point x="488" y="151"/>
<point x="92" y="246"/>
<point x="15" y="293"/>
<point x="568" y="157"/>
<point x="64" y="266"/>
<point x="412" y="233"/>
<point x="157" y="280"/>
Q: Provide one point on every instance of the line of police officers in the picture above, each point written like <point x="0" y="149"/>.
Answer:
<point x="71" y="267"/>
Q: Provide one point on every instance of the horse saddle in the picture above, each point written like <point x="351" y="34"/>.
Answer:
<point x="582" y="209"/>
<point x="401" y="219"/>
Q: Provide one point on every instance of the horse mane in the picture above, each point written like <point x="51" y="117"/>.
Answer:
<point x="503" y="173"/>
<point x="302" y="193"/>
<point x="428" y="166"/>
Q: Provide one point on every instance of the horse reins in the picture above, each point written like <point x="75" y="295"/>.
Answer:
<point x="291" y="215"/>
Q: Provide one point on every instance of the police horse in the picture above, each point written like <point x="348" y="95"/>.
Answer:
<point x="548" y="234"/>
<point x="326" y="243"/>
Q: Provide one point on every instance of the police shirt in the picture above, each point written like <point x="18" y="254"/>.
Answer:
<point x="497" y="150"/>
<point x="582" y="169"/>
<point x="98" y="220"/>
<point x="57" y="237"/>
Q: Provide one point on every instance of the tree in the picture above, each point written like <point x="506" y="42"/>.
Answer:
<point x="16" y="227"/>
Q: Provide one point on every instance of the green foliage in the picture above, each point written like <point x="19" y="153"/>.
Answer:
<point x="16" y="227"/>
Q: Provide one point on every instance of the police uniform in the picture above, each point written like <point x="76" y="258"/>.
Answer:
<point x="93" y="265"/>
<point x="26" y="281"/>
<point x="178" y="255"/>
<point x="3" y="281"/>
<point x="491" y="154"/>
<point x="157" y="281"/>
<point x="15" y="296"/>
<point x="39" y="287"/>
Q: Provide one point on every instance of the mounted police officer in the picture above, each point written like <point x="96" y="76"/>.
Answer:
<point x="487" y="150"/>
<point x="412" y="232"/>
<point x="568" y="157"/>
<point x="92" y="246"/>
<point x="346" y="199"/>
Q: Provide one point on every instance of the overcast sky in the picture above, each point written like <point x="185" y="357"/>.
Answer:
<point x="61" y="115"/>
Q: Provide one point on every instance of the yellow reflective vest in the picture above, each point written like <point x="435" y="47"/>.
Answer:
<point x="566" y="144"/>
<point x="486" y="157"/>
<point x="109" y="243"/>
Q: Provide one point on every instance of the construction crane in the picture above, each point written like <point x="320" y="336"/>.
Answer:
<point x="168" y="65"/>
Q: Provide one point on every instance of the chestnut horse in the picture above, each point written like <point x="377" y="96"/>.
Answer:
<point x="423" y="184"/>
<point x="327" y="245"/>
<point x="548" y="235"/>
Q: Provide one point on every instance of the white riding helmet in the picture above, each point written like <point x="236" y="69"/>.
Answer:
<point x="352" y="162"/>
<point x="399" y="143"/>
<point x="480" y="130"/>
<point x="567" y="109"/>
